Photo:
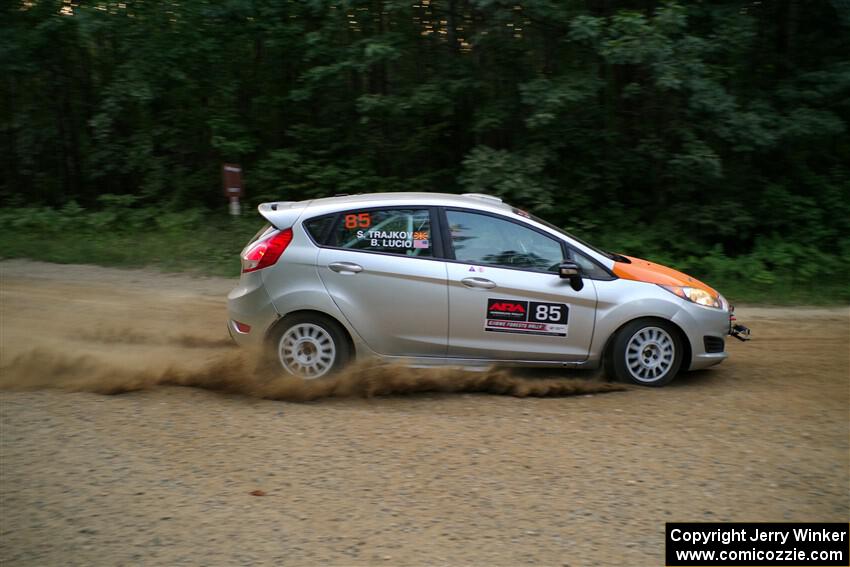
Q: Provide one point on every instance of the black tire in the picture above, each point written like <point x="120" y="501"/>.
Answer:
<point x="290" y="361"/>
<point x="653" y="359"/>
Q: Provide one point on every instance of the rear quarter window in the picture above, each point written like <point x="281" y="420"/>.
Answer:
<point x="318" y="227"/>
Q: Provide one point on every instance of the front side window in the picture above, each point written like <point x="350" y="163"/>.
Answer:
<point x="406" y="232"/>
<point x="487" y="240"/>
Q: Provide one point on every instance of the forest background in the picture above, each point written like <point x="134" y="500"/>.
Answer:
<point x="710" y="136"/>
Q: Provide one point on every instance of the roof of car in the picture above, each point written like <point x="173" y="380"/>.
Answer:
<point x="284" y="213"/>
<point x="478" y="200"/>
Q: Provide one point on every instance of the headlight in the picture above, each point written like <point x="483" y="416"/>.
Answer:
<point x="697" y="295"/>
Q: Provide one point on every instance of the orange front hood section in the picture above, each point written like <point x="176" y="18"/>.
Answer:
<point x="650" y="272"/>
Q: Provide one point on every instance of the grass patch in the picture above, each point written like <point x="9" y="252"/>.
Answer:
<point x="195" y="240"/>
<point x="204" y="251"/>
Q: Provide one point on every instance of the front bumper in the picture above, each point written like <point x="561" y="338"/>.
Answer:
<point x="706" y="329"/>
<point x="706" y="332"/>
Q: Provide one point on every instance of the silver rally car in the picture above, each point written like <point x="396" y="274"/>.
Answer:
<point x="465" y="280"/>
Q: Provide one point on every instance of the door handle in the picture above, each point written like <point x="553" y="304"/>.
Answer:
<point x="345" y="267"/>
<point x="480" y="283"/>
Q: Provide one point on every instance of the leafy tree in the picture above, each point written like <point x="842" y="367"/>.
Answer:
<point x="692" y="131"/>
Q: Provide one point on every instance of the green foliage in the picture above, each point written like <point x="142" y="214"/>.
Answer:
<point x="711" y="135"/>
<point x="516" y="178"/>
<point x="121" y="234"/>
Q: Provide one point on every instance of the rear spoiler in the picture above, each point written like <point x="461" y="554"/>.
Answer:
<point x="282" y="214"/>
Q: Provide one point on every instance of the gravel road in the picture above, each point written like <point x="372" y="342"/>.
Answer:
<point x="187" y="476"/>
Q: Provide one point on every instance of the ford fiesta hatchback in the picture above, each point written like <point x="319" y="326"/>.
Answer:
<point x="435" y="279"/>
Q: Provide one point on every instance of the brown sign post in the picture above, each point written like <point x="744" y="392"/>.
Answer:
<point x="231" y="175"/>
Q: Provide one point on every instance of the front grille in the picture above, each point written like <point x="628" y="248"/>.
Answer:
<point x="713" y="344"/>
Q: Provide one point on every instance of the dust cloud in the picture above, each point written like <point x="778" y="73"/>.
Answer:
<point x="83" y="342"/>
<point x="118" y="335"/>
<point x="238" y="372"/>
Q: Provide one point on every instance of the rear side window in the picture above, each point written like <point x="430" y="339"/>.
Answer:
<point x="406" y="232"/>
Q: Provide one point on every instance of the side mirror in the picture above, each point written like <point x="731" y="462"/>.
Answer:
<point x="571" y="271"/>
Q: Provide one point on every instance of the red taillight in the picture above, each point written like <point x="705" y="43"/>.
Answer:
<point x="266" y="252"/>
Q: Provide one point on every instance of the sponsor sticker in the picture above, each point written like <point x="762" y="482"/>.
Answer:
<point x="362" y="220"/>
<point x="526" y="317"/>
<point x="395" y="238"/>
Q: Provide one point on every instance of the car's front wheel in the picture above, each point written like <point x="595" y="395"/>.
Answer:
<point x="310" y="346"/>
<point x="648" y="352"/>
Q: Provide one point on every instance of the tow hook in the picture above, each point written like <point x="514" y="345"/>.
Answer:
<point x="740" y="332"/>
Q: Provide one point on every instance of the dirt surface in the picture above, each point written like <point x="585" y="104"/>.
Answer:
<point x="186" y="476"/>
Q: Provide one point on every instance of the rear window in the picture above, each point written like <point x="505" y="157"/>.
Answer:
<point x="406" y="232"/>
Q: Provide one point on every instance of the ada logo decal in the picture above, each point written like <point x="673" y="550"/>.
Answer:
<point x="507" y="309"/>
<point x="526" y="317"/>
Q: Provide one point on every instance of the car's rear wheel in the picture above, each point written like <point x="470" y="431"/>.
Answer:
<point x="310" y="346"/>
<point x="648" y="352"/>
